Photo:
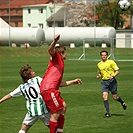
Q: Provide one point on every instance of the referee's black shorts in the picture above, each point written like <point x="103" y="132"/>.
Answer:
<point x="109" y="85"/>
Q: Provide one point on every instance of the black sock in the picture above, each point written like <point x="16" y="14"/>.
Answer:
<point x="106" y="105"/>
<point x="120" y="100"/>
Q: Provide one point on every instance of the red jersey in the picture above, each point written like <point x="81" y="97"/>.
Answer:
<point x="53" y="76"/>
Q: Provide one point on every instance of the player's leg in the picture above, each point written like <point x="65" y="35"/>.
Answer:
<point x="54" y="102"/>
<point x="24" y="128"/>
<point x="105" y="93"/>
<point x="45" y="119"/>
<point x="51" y="101"/>
<point x="106" y="104"/>
<point x="54" y="122"/>
<point x="114" y="94"/>
<point x="119" y="99"/>
<point x="28" y="122"/>
<point x="61" y="119"/>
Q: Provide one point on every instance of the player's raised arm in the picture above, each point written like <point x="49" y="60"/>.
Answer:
<point x="52" y="45"/>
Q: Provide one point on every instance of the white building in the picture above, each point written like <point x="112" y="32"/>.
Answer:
<point x="36" y="15"/>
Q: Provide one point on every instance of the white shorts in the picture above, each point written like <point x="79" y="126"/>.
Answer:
<point x="30" y="120"/>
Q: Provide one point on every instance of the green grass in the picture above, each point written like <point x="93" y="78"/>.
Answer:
<point x="85" y="106"/>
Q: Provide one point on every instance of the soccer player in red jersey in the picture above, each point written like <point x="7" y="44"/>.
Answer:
<point x="50" y="84"/>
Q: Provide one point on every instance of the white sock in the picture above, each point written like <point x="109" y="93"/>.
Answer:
<point x="21" y="131"/>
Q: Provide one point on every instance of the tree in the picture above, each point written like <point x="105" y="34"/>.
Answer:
<point x="109" y="14"/>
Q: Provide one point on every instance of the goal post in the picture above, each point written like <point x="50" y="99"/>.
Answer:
<point x="88" y="52"/>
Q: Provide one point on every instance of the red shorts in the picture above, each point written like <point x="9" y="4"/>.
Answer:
<point x="53" y="100"/>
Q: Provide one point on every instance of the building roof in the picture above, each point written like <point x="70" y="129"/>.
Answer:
<point x="59" y="15"/>
<point x="21" y="3"/>
<point x="3" y="24"/>
<point x="70" y="11"/>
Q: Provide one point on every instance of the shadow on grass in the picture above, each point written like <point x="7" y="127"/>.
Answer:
<point x="117" y="114"/>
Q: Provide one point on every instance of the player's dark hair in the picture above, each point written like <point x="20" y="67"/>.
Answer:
<point x="104" y="51"/>
<point x="25" y="73"/>
<point x="60" y="49"/>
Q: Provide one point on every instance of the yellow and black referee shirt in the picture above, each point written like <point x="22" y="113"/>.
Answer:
<point x="107" y="68"/>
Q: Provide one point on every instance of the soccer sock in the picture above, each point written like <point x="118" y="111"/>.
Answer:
<point x="60" y="124"/>
<point x="21" y="131"/>
<point x="106" y="105"/>
<point x="53" y="126"/>
<point x="120" y="100"/>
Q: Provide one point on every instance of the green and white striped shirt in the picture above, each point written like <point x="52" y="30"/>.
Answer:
<point x="31" y="91"/>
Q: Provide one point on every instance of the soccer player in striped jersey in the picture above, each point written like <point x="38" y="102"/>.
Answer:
<point x="35" y="105"/>
<point x="107" y="71"/>
<point x="50" y="84"/>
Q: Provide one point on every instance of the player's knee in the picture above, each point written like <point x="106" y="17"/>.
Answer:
<point x="21" y="131"/>
<point x="115" y="97"/>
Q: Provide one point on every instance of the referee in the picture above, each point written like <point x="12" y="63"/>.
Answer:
<point x="107" y="71"/>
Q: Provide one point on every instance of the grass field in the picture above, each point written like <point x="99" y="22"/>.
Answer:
<point x="85" y="106"/>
